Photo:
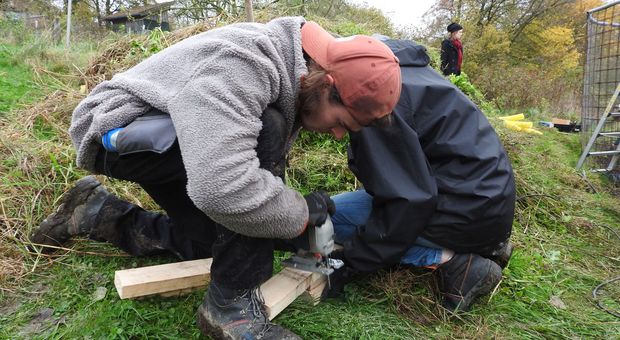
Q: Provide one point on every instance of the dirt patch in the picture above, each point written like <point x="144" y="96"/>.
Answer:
<point x="41" y="321"/>
<point x="9" y="307"/>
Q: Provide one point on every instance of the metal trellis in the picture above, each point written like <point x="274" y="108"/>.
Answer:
<point x="600" y="116"/>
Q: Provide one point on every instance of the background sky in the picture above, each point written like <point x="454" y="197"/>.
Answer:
<point x="401" y="12"/>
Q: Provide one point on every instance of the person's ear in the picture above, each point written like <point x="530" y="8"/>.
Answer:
<point x="329" y="80"/>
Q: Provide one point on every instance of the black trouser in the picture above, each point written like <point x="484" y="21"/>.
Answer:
<point x="239" y="262"/>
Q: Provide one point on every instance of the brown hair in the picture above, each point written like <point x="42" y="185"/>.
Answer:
<point x="310" y="94"/>
<point x="311" y="87"/>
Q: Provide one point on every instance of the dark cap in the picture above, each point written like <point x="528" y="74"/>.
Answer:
<point x="453" y="27"/>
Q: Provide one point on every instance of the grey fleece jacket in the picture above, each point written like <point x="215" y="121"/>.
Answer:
<point x="215" y="86"/>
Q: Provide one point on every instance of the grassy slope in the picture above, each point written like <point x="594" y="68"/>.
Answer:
<point x="563" y="251"/>
<point x="560" y="253"/>
<point x="15" y="80"/>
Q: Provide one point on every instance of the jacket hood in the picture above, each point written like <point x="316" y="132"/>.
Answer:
<point x="408" y="52"/>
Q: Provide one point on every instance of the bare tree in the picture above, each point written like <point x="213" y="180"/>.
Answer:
<point x="197" y="10"/>
<point x="102" y="8"/>
<point x="512" y="16"/>
<point x="532" y="10"/>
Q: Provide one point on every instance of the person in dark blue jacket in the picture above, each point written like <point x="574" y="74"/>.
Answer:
<point x="439" y="189"/>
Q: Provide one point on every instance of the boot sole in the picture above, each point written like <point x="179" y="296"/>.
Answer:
<point x="47" y="232"/>
<point x="216" y="332"/>
<point x="207" y="328"/>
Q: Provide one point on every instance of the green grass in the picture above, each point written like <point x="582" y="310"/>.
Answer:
<point x="69" y="290"/>
<point x="16" y="80"/>
<point x="33" y="68"/>
<point x="564" y="248"/>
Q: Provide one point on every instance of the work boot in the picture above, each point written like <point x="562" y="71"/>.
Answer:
<point x="238" y="314"/>
<point x="464" y="278"/>
<point x="75" y="215"/>
<point x="502" y="255"/>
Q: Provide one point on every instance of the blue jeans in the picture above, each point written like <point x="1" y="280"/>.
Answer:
<point x="352" y="211"/>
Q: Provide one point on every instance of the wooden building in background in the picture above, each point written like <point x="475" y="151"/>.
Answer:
<point x="138" y="20"/>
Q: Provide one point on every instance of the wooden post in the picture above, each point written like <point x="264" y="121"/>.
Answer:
<point x="249" y="12"/>
<point x="68" y="40"/>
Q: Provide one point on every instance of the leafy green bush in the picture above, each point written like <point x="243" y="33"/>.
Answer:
<point x="527" y="86"/>
<point x="348" y="28"/>
<point x="464" y="84"/>
<point x="155" y="42"/>
<point x="434" y="54"/>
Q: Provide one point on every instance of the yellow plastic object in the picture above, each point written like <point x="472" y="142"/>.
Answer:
<point x="519" y="116"/>
<point x="512" y="125"/>
<point x="523" y="125"/>
<point x="533" y="131"/>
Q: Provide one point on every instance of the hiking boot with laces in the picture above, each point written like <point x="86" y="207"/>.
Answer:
<point x="238" y="314"/>
<point x="464" y="278"/>
<point x="75" y="215"/>
<point x="502" y="254"/>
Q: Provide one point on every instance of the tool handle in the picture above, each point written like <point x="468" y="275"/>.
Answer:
<point x="322" y="238"/>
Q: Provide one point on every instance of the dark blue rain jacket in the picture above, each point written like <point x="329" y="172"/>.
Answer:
<point x="439" y="172"/>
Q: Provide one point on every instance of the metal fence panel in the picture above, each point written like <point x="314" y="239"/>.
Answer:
<point x="601" y="76"/>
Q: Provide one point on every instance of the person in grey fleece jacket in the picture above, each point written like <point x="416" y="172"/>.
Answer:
<point x="204" y="127"/>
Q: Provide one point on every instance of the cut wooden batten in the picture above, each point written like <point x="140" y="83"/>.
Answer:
<point x="183" y="277"/>
<point x="283" y="288"/>
<point x="314" y="293"/>
<point x="162" y="279"/>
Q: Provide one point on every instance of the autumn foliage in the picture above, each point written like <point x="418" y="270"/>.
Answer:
<point x="521" y="54"/>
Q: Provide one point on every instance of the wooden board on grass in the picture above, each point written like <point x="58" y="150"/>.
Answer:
<point x="162" y="279"/>
<point x="179" y="278"/>
<point x="283" y="288"/>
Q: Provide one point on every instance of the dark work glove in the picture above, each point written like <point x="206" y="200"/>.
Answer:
<point x="339" y="278"/>
<point x="319" y="206"/>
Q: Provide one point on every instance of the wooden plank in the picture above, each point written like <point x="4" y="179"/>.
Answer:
<point x="317" y="280"/>
<point x="181" y="292"/>
<point x="284" y="288"/>
<point x="180" y="278"/>
<point x="558" y="121"/>
<point x="315" y="290"/>
<point x="145" y="281"/>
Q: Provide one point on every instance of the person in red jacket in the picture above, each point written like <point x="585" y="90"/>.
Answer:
<point x="452" y="51"/>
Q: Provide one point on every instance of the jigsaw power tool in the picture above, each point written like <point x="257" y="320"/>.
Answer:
<point x="316" y="259"/>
